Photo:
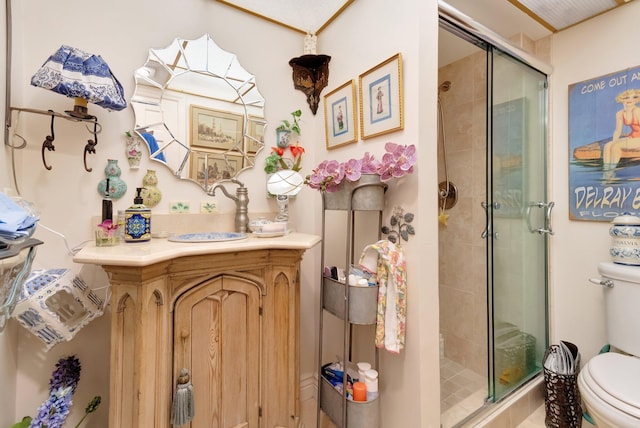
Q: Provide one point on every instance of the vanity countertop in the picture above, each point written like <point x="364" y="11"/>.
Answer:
<point x="158" y="250"/>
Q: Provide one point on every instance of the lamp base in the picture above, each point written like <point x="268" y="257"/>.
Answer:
<point x="283" y="206"/>
<point x="79" y="109"/>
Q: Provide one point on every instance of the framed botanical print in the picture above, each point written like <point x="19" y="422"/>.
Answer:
<point x="213" y="129"/>
<point x="340" y="116"/>
<point x="381" y="103"/>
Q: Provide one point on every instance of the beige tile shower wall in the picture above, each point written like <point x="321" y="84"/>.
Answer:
<point x="462" y="255"/>
<point x="463" y="297"/>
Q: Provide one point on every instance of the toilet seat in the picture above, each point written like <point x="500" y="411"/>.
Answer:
<point x="613" y="379"/>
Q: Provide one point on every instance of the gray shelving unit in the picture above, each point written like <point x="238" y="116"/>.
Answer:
<point x="353" y="305"/>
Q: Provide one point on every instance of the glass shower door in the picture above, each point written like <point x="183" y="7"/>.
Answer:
<point x="518" y="222"/>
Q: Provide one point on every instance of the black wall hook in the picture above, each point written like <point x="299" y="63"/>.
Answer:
<point x="90" y="147"/>
<point x="48" y="143"/>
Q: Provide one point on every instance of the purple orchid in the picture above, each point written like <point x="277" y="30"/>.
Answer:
<point x="353" y="169"/>
<point x="397" y="162"/>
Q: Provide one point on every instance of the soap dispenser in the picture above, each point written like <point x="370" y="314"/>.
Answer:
<point x="137" y="220"/>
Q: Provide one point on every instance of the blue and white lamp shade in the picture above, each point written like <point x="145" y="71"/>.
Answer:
<point x="78" y="74"/>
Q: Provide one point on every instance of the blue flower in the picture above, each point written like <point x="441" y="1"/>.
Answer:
<point x="53" y="412"/>
<point x="67" y="373"/>
<point x="64" y="380"/>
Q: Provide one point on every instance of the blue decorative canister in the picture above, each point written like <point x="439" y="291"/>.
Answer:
<point x="137" y="221"/>
<point x="625" y="240"/>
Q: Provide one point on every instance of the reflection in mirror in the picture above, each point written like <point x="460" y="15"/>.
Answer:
<point x="199" y="111"/>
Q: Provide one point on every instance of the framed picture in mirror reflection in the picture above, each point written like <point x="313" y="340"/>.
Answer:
<point x="209" y="167"/>
<point x="214" y="129"/>
<point x="256" y="134"/>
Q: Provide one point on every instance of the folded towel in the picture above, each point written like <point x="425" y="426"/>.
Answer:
<point x="15" y="220"/>
<point x="153" y="146"/>
<point x="387" y="260"/>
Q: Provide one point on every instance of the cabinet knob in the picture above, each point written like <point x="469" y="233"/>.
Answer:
<point x="184" y="333"/>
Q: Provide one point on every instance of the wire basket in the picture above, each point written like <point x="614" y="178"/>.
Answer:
<point x="562" y="402"/>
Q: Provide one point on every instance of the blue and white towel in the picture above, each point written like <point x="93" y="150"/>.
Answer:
<point x="16" y="221"/>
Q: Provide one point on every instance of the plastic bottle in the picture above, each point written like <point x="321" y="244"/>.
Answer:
<point x="137" y="221"/>
<point x="371" y="381"/>
<point x="362" y="368"/>
<point x="359" y="391"/>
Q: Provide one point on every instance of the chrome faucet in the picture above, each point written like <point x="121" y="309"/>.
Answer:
<point x="242" y="203"/>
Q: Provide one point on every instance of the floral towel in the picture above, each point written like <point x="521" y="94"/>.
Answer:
<point x="392" y="292"/>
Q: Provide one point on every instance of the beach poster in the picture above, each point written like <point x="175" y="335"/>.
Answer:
<point x="604" y="146"/>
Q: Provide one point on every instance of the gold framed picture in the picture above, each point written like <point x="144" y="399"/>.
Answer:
<point x="213" y="129"/>
<point x="381" y="103"/>
<point x="340" y="121"/>
<point x="209" y="167"/>
<point x="255" y="139"/>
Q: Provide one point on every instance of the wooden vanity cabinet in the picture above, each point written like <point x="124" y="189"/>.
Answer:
<point x="231" y="319"/>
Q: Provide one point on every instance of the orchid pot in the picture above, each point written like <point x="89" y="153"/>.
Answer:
<point x="365" y="194"/>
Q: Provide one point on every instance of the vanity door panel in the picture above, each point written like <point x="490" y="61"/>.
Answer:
<point x="217" y="338"/>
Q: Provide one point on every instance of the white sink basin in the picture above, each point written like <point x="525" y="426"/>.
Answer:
<point x="207" y="237"/>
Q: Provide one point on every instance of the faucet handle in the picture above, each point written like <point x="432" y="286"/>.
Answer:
<point x="238" y="182"/>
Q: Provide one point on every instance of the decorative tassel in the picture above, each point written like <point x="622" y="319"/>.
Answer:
<point x="183" y="408"/>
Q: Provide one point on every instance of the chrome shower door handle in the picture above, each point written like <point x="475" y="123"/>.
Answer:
<point x="548" y="206"/>
<point x="487" y="229"/>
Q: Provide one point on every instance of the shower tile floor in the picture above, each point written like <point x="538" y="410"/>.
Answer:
<point x="462" y="391"/>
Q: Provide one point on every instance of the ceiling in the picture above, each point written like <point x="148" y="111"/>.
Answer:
<point x="535" y="18"/>
<point x="504" y="17"/>
<point x="304" y="16"/>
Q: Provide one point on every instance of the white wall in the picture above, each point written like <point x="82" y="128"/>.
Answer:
<point x="357" y="40"/>
<point x="589" y="50"/>
<point x="66" y="197"/>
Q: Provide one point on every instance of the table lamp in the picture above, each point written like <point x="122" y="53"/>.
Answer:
<point x="282" y="185"/>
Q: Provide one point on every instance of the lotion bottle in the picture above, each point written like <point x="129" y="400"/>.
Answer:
<point x="137" y="219"/>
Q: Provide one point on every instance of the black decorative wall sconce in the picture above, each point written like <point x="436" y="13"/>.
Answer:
<point x="311" y="76"/>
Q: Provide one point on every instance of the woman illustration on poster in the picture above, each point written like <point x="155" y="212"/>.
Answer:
<point x="628" y="116"/>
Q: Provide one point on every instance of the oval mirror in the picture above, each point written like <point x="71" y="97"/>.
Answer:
<point x="199" y="111"/>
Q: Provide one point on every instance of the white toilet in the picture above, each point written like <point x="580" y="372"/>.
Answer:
<point x="610" y="382"/>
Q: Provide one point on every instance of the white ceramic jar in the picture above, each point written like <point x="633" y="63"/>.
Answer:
<point x="625" y="239"/>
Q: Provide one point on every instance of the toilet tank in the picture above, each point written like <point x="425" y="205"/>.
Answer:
<point x="622" y="306"/>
